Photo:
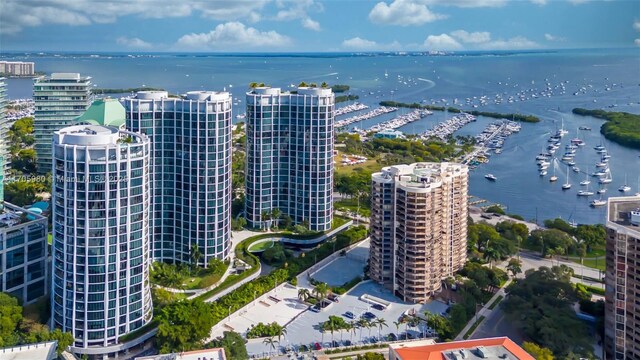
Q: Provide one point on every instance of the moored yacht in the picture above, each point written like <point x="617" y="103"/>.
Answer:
<point x="585" y="193"/>
<point x="598" y="202"/>
<point x="491" y="177"/>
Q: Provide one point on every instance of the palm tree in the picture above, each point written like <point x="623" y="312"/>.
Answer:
<point x="353" y="327"/>
<point x="331" y="326"/>
<point x="275" y="215"/>
<point x="321" y="291"/>
<point x="492" y="255"/>
<point x="281" y="331"/>
<point x="414" y="322"/>
<point x="195" y="254"/>
<point x="397" y="324"/>
<point x="271" y="342"/>
<point x="304" y="294"/>
<point x="362" y="323"/>
<point x="264" y="216"/>
<point x="380" y="322"/>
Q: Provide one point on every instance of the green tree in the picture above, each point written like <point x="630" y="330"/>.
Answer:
<point x="10" y="317"/>
<point x="183" y="325"/>
<point x="491" y="254"/>
<point x="275" y="215"/>
<point x="233" y="344"/>
<point x="65" y="339"/>
<point x="370" y="356"/>
<point x="514" y="266"/>
<point x="304" y="294"/>
<point x="591" y="235"/>
<point x="441" y="325"/>
<point x="380" y="323"/>
<point x="538" y="352"/>
<point x="321" y="290"/>
<point x="195" y="254"/>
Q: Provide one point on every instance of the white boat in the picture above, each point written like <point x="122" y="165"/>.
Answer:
<point x="598" y="202"/>
<point x="601" y="164"/>
<point x="491" y="177"/>
<point x="543" y="172"/>
<point x="599" y="147"/>
<point x="625" y="187"/>
<point x="575" y="169"/>
<point x="602" y="191"/>
<point x="586" y="181"/>
<point x="553" y="178"/>
<point x="607" y="178"/>
<point x="567" y="185"/>
<point x="544" y="166"/>
<point x="585" y="193"/>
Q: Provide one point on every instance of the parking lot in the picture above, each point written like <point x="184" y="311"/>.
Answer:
<point x="304" y="330"/>
<point x="344" y="268"/>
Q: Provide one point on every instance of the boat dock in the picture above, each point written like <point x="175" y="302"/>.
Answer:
<point x="491" y="138"/>
<point x="350" y="108"/>
<point x="400" y="120"/>
<point x="482" y="203"/>
<point x="448" y="127"/>
<point x="368" y="115"/>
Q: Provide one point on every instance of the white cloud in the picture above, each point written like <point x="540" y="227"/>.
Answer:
<point x="577" y="2"/>
<point x="467" y="3"/>
<point x="637" y="42"/>
<point x="636" y="25"/>
<point x="311" y="24"/>
<point x="441" y="42"/>
<point x="403" y="13"/>
<point x="361" y="44"/>
<point x="472" y="38"/>
<point x="514" y="43"/>
<point x="539" y="2"/>
<point x="233" y="35"/>
<point x="18" y="14"/>
<point x="135" y="43"/>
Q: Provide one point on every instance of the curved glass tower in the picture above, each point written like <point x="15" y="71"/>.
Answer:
<point x="101" y="201"/>
<point x="191" y="160"/>
<point x="290" y="156"/>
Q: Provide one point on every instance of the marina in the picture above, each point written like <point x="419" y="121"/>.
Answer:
<point x="366" y="116"/>
<point x="350" y="108"/>
<point x="447" y="128"/>
<point x="400" y="120"/>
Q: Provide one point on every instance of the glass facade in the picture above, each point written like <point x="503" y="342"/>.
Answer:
<point x="290" y="156"/>
<point x="23" y="254"/>
<point x="59" y="99"/>
<point x="191" y="159"/>
<point x="4" y="129"/>
<point x="101" y="258"/>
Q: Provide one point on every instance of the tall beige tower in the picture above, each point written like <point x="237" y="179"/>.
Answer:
<point x="418" y="227"/>
<point x="622" y="279"/>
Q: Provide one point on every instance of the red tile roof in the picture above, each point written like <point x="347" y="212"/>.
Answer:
<point x="436" y="351"/>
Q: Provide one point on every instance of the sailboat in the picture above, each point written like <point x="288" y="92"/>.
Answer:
<point x="598" y="202"/>
<point x="553" y="177"/>
<point x="567" y="185"/>
<point x="586" y="181"/>
<point x="607" y="177"/>
<point x="625" y="187"/>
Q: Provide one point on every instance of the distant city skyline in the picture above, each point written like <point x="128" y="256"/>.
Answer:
<point x="317" y="26"/>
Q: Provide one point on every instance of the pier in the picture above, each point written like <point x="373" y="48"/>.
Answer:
<point x="400" y="120"/>
<point x="371" y="114"/>
<point x="350" y="108"/>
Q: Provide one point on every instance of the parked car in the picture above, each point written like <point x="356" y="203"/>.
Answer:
<point x="317" y="346"/>
<point x="315" y="308"/>
<point x="303" y="348"/>
<point x="393" y="337"/>
<point x="378" y="307"/>
<point x="347" y="343"/>
<point x="374" y="339"/>
<point x="333" y="297"/>
<point x="369" y="315"/>
<point x="349" y="315"/>
<point x="335" y="343"/>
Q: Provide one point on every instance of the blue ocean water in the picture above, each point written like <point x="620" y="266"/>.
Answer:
<point x="561" y="81"/>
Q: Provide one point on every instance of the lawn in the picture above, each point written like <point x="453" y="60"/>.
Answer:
<point x="352" y="205"/>
<point x="592" y="263"/>
<point x="260" y="246"/>
<point x="369" y="165"/>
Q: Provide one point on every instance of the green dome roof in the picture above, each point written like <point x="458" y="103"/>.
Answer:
<point x="107" y="112"/>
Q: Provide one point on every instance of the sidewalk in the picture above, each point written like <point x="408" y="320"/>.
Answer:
<point x="485" y="311"/>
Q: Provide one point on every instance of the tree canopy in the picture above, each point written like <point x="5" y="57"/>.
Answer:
<point x="183" y="325"/>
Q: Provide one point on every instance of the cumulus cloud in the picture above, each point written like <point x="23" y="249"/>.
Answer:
<point x="233" y="35"/>
<point x="441" y="42"/>
<point x="358" y="43"/>
<point x="403" y="13"/>
<point x="467" y="3"/>
<point x="479" y="40"/>
<point x="472" y="38"/>
<point x="637" y="42"/>
<point x="539" y="2"/>
<point x="135" y="43"/>
<point x="18" y="14"/>
<point x="310" y="24"/>
<point x="636" y="25"/>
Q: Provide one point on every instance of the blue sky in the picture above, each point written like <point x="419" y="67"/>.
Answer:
<point x="316" y="25"/>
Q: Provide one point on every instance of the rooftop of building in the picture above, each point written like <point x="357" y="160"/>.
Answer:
<point x="12" y="215"/>
<point x="207" y="354"/>
<point x="421" y="175"/>
<point x="95" y="135"/>
<point x="500" y="348"/>
<point x="40" y="351"/>
<point x="75" y="77"/>
<point x="107" y="112"/>
<point x="624" y="211"/>
<point x="199" y="95"/>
